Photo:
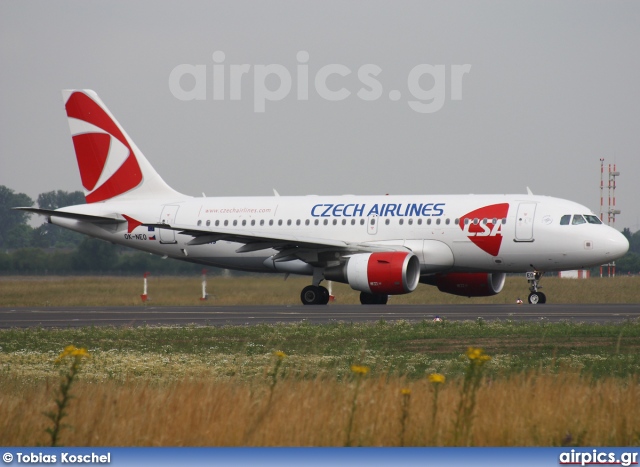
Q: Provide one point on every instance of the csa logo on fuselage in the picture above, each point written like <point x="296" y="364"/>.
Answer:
<point x="484" y="227"/>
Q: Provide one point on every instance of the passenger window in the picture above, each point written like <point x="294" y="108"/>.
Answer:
<point x="235" y="223"/>
<point x="504" y="221"/>
<point x="199" y="223"/>
<point x="466" y="221"/>
<point x="373" y="222"/>
<point x="449" y="220"/>
<point x="226" y="223"/>
<point x="438" y="221"/>
<point x="344" y="222"/>
<point x="335" y="222"/>
<point x="217" y="223"/>
<point x="208" y="223"/>
<point x="270" y="221"/>
<point x="279" y="221"/>
<point x="386" y="222"/>
<point x="410" y="221"/>
<point x="353" y="222"/>
<point x="316" y="222"/>
<point x="244" y="222"/>
<point x="592" y="219"/>
<point x="261" y="222"/>
<point x="578" y="219"/>
<point x="565" y="220"/>
<point x="253" y="222"/>
<point x="306" y="222"/>
<point x="429" y="221"/>
<point x="361" y="221"/>
<point x="457" y="221"/>
<point x="326" y="222"/>
<point x="289" y="222"/>
<point x="401" y="221"/>
<point x="419" y="221"/>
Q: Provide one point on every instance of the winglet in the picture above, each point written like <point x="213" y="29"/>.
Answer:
<point x="529" y="192"/>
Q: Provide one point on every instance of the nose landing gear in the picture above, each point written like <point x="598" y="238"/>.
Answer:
<point x="535" y="297"/>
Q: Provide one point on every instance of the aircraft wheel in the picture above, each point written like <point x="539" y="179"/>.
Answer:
<point x="313" y="295"/>
<point x="373" y="299"/>
<point x="536" y="298"/>
<point x="325" y="295"/>
<point x="383" y="299"/>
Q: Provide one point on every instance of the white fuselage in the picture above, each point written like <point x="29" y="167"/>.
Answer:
<point x="489" y="233"/>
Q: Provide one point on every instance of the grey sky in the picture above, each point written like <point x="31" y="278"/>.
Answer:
<point x="553" y="87"/>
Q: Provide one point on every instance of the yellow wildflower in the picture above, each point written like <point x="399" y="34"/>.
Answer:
<point x="73" y="351"/>
<point x="360" y="370"/>
<point x="436" y="378"/>
<point x="405" y="391"/>
<point x="280" y="354"/>
<point x="477" y="355"/>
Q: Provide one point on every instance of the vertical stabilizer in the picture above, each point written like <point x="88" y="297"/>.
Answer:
<point x="110" y="163"/>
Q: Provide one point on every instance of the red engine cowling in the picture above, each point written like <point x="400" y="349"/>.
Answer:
<point x="388" y="273"/>
<point x="470" y="284"/>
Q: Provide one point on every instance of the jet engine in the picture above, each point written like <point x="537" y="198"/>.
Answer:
<point x="468" y="284"/>
<point x="384" y="273"/>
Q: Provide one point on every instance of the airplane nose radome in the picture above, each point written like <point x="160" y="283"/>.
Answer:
<point x="617" y="245"/>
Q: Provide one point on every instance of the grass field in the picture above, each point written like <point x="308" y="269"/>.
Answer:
<point x="546" y="384"/>
<point x="273" y="290"/>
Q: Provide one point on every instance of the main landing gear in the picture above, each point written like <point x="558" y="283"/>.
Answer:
<point x="319" y="295"/>
<point x="535" y="297"/>
<point x="373" y="299"/>
<point x="314" y="295"/>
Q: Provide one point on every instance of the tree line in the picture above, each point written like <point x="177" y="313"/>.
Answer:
<point x="50" y="249"/>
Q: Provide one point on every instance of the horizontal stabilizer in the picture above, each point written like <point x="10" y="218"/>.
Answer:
<point x="74" y="215"/>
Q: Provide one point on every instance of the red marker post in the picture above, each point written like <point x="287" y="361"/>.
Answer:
<point x="144" y="295"/>
<point x="204" y="285"/>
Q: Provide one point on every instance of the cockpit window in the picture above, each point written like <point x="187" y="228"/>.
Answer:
<point x="565" y="220"/>
<point x="578" y="219"/>
<point x="591" y="219"/>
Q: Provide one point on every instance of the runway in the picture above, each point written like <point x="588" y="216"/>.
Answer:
<point x="252" y="315"/>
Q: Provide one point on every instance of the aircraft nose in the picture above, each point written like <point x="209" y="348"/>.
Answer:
<point x="617" y="244"/>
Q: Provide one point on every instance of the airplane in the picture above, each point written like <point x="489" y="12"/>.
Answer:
<point x="379" y="245"/>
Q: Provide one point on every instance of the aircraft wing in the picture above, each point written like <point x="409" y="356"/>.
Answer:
<point x="73" y="215"/>
<point x="290" y="246"/>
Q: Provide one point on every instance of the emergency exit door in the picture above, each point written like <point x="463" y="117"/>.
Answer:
<point x="524" y="222"/>
<point x="168" y="216"/>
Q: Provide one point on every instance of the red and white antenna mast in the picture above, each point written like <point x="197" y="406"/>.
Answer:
<point x="612" y="208"/>
<point x="611" y="205"/>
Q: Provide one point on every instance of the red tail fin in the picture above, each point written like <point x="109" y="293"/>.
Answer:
<point x="110" y="164"/>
